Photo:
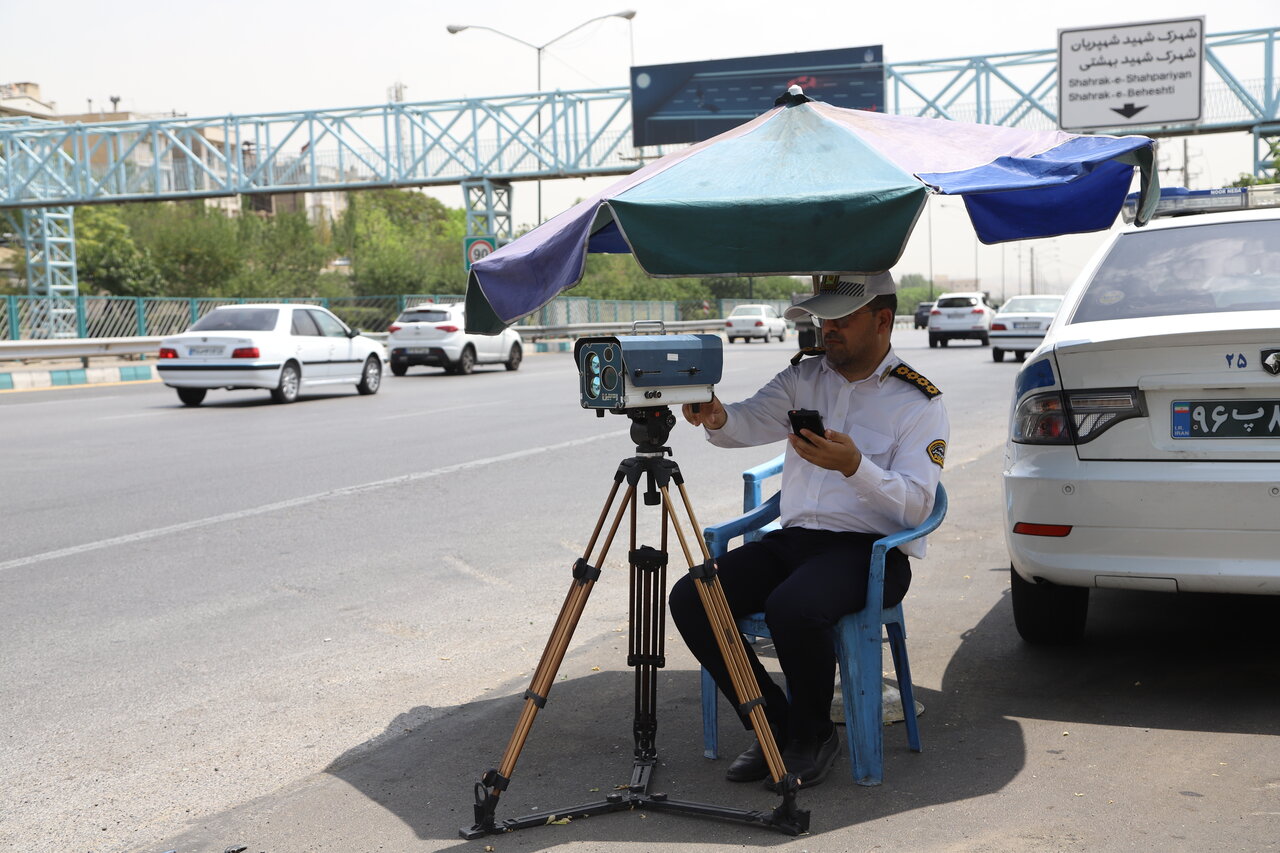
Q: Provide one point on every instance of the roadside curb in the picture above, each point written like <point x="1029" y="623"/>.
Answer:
<point x="53" y="377"/>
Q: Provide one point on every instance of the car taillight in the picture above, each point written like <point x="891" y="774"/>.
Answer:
<point x="759" y="322"/>
<point x="728" y="324"/>
<point x="998" y="327"/>
<point x="394" y="327"/>
<point x="1095" y="412"/>
<point x="448" y="327"/>
<point x="245" y="352"/>
<point x="168" y="352"/>
<point x="978" y="311"/>
<point x="1041" y="419"/>
<point x="1042" y="529"/>
<point x="1085" y="415"/>
<point x="935" y="310"/>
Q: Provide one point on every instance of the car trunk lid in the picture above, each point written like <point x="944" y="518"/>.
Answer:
<point x="1202" y="379"/>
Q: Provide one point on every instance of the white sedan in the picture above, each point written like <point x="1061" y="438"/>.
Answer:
<point x="1019" y="326"/>
<point x="755" y="321"/>
<point x="280" y="348"/>
<point x="1144" y="442"/>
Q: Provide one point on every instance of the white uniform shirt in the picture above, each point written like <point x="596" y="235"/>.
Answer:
<point x="901" y="431"/>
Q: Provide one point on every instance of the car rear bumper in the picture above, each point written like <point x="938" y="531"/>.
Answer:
<point x="950" y="334"/>
<point x="1175" y="526"/>
<point x="431" y="356"/>
<point x="252" y="375"/>
<point x="1010" y="341"/>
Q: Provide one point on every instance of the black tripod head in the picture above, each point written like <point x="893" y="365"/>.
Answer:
<point x="650" y="428"/>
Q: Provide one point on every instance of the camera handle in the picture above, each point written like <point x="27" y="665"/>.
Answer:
<point x="646" y="653"/>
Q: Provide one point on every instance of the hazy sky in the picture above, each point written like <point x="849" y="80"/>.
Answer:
<point x="236" y="56"/>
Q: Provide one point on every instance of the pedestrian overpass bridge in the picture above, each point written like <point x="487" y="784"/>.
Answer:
<point x="485" y="145"/>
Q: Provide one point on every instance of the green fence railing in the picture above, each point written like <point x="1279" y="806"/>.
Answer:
<point x="28" y="317"/>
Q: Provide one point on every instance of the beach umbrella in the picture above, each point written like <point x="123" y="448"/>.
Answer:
<point x="810" y="188"/>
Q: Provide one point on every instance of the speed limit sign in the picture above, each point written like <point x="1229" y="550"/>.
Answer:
<point x="475" y="248"/>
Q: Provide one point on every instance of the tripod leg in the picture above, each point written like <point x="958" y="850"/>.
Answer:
<point x="745" y="686"/>
<point x="495" y="780"/>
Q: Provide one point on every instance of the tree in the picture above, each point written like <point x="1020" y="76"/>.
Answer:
<point x="402" y="242"/>
<point x="107" y="257"/>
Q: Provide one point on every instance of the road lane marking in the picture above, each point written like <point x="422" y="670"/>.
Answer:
<point x="346" y="491"/>
<point x="441" y="410"/>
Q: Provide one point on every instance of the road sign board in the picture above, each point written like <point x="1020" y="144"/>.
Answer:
<point x="475" y="248"/>
<point x="1131" y="75"/>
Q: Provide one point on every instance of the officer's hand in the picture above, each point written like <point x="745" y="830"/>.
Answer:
<point x="834" y="450"/>
<point x="710" y="415"/>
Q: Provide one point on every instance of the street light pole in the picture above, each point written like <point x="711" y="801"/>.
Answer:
<point x="626" y="15"/>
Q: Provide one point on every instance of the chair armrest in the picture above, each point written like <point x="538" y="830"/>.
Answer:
<point x="718" y="535"/>
<point x="925" y="527"/>
<point x="753" y="477"/>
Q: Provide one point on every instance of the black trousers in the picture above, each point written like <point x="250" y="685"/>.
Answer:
<point x="804" y="581"/>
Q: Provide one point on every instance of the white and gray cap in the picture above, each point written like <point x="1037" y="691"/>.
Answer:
<point x="838" y="296"/>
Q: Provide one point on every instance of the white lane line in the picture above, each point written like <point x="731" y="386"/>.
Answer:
<point x="421" y="412"/>
<point x="143" y="535"/>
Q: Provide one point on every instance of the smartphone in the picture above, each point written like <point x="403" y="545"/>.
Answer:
<point x="806" y="419"/>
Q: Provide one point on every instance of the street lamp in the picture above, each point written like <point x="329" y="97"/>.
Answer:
<point x="626" y="15"/>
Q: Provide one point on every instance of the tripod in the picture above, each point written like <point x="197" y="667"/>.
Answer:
<point x="649" y="430"/>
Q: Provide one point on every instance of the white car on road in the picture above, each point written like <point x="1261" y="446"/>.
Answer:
<point x="960" y="315"/>
<point x="280" y="348"/>
<point x="755" y="321"/>
<point x="1144" y="443"/>
<point x="435" y="335"/>
<point x="1019" y="326"/>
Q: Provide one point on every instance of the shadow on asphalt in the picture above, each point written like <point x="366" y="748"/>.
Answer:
<point x="1200" y="663"/>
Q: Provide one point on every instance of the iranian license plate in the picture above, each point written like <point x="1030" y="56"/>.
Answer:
<point x="419" y="350"/>
<point x="1225" y="419"/>
<point x="204" y="350"/>
<point x="1026" y="325"/>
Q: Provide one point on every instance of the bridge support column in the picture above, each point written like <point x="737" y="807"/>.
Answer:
<point x="49" y="236"/>
<point x="488" y="205"/>
<point x="1266" y="151"/>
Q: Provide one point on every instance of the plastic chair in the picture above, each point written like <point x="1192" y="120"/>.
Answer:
<point x="858" y="635"/>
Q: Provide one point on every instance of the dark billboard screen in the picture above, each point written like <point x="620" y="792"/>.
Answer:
<point x="692" y="101"/>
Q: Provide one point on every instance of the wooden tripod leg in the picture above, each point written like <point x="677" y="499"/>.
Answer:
<point x="495" y="781"/>
<point x="729" y="640"/>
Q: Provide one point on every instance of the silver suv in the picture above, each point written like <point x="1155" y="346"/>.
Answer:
<point x="961" y="315"/>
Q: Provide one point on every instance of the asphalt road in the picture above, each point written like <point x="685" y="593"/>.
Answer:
<point x="308" y="627"/>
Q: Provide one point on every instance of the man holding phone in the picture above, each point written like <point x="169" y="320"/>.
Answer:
<point x="867" y="465"/>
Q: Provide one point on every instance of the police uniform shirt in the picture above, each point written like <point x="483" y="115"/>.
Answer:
<point x="894" y="416"/>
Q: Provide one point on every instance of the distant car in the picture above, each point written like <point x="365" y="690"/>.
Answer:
<point x="922" y="315"/>
<point x="1019" y="326"/>
<point x="280" y="348"/>
<point x="1144" y="438"/>
<point x="755" y="321"/>
<point x="959" y="316"/>
<point x="435" y="335"/>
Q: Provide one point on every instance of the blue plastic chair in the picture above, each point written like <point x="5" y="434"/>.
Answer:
<point x="858" y="635"/>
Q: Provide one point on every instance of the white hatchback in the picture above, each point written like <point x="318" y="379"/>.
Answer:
<point x="1019" y="326"/>
<point x="280" y="348"/>
<point x="755" y="321"/>
<point x="1144" y="443"/>
<point x="435" y="335"/>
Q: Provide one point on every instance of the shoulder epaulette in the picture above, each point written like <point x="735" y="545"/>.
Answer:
<point x="911" y="377"/>
<point x="805" y="351"/>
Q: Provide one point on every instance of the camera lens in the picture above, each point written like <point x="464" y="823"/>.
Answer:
<point x="593" y="390"/>
<point x="593" y="363"/>
<point x="610" y="378"/>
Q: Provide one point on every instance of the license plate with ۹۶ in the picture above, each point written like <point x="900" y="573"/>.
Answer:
<point x="204" y="350"/>
<point x="1225" y="419"/>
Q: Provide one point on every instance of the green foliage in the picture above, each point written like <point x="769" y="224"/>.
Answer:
<point x="620" y="277"/>
<point x="402" y="242"/>
<point x="108" y="260"/>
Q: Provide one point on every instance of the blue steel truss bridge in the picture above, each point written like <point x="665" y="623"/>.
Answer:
<point x="486" y="145"/>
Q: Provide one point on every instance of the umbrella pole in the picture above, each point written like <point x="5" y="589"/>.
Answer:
<point x="646" y="654"/>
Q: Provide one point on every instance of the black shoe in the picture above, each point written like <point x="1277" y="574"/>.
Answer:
<point x="810" y="759"/>
<point x="750" y="766"/>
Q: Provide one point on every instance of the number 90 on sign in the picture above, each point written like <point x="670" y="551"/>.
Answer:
<point x="475" y="248"/>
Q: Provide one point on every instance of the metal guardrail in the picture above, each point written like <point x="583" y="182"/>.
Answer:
<point x="76" y="348"/>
